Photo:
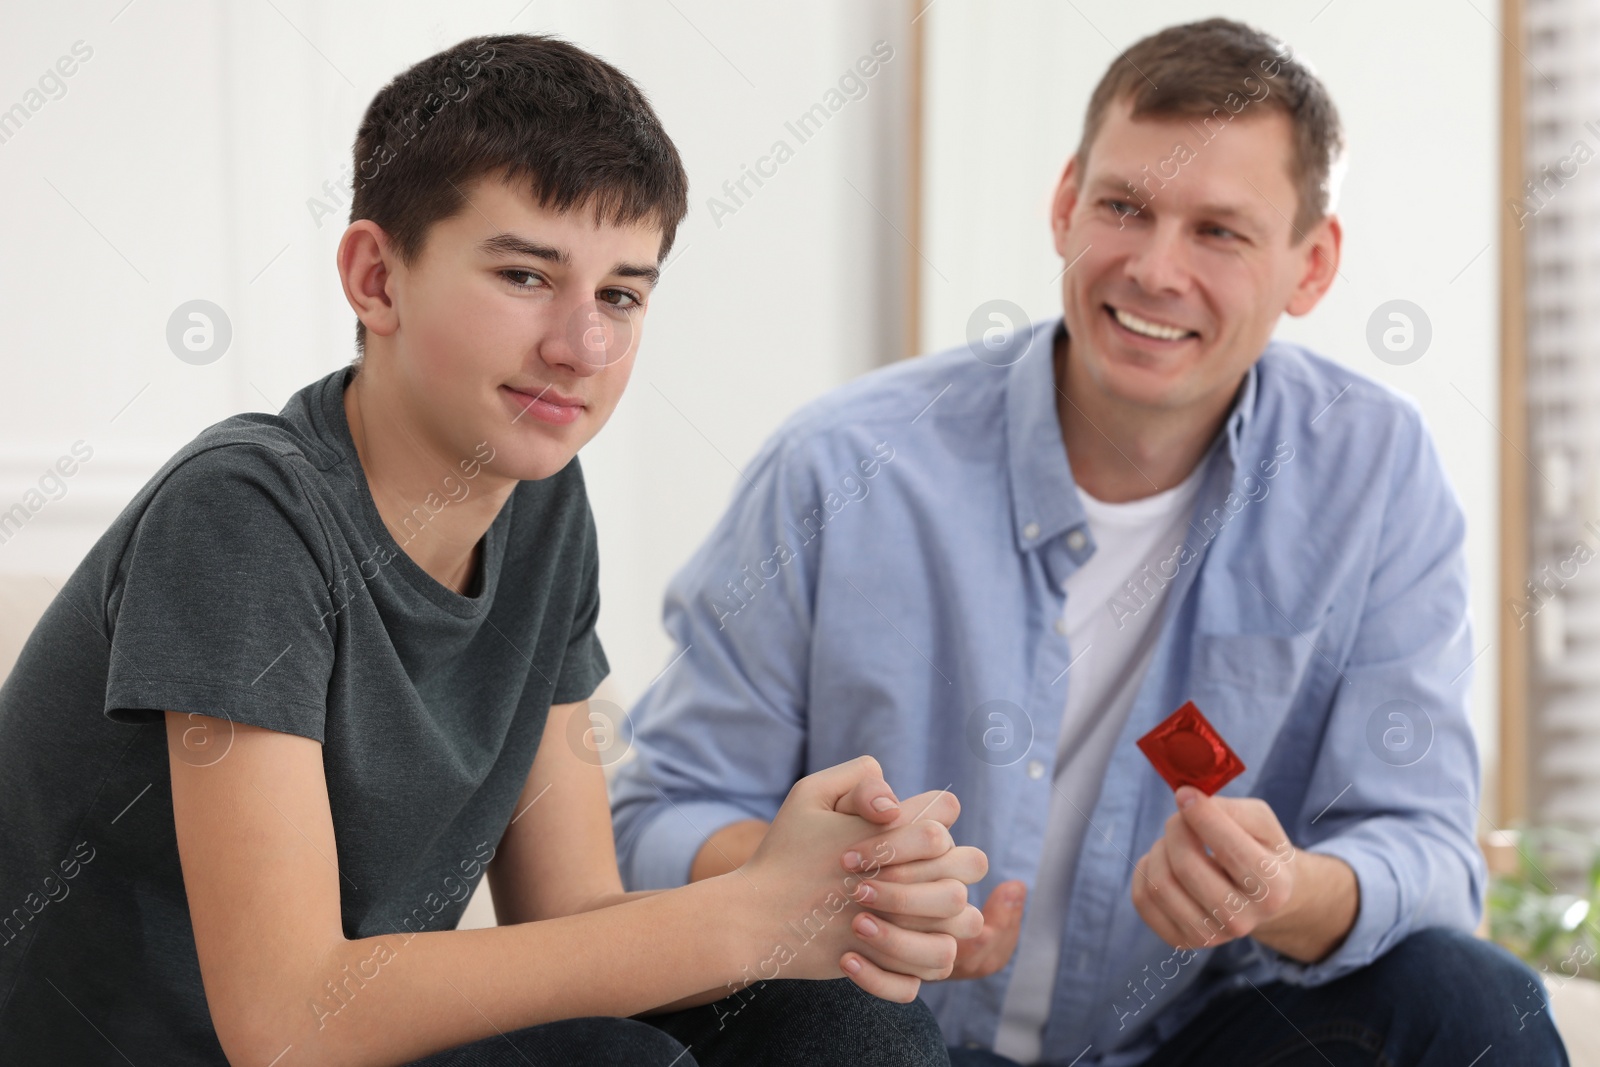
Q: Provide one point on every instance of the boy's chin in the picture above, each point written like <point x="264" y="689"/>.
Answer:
<point x="535" y="463"/>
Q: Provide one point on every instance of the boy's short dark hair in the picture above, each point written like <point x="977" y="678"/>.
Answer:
<point x="524" y="107"/>
<point x="1190" y="71"/>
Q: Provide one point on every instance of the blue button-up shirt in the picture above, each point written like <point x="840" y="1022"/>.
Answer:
<point x="886" y="581"/>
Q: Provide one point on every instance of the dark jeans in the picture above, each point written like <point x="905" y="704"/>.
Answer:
<point x="1440" y="998"/>
<point x="782" y="1023"/>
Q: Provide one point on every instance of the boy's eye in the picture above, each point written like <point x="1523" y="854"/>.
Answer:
<point x="621" y="299"/>
<point x="513" y="274"/>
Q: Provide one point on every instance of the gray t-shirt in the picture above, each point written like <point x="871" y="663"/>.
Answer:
<point x="253" y="579"/>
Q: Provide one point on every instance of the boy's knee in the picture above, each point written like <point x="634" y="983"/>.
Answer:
<point x="908" y="1033"/>
<point x="813" y="1022"/>
<point x="602" y="1040"/>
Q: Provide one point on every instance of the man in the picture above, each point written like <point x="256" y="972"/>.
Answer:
<point x="997" y="573"/>
<point x="331" y="666"/>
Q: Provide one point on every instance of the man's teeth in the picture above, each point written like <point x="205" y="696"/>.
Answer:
<point x="1149" y="329"/>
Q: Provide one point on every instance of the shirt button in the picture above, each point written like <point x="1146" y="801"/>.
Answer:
<point x="1031" y="530"/>
<point x="1076" y="540"/>
<point x="1035" y="769"/>
<point x="1061" y="627"/>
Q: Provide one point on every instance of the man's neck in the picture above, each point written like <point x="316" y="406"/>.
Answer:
<point x="1120" y="451"/>
<point x="417" y="488"/>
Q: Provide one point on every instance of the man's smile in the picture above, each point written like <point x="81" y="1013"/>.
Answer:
<point x="1148" y="328"/>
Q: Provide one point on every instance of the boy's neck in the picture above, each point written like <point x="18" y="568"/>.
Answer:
<point x="409" y="476"/>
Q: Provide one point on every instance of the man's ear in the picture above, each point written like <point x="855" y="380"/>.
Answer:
<point x="1321" y="246"/>
<point x="1062" y="205"/>
<point x="364" y="258"/>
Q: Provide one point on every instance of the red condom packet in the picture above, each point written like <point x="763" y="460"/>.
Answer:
<point x="1185" y="749"/>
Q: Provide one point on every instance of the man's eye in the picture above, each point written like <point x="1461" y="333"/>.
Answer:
<point x="1122" y="207"/>
<point x="1220" y="231"/>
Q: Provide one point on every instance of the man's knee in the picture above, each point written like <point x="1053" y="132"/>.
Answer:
<point x="1464" y="984"/>
<point x="1460" y="959"/>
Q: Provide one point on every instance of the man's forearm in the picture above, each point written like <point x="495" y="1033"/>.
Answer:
<point x="1327" y="899"/>
<point x="727" y="850"/>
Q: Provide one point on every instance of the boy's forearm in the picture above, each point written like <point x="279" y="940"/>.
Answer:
<point x="394" y="998"/>
<point x="707" y="997"/>
<point x="611" y="900"/>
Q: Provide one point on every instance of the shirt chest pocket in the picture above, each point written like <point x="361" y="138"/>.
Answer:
<point x="1245" y="685"/>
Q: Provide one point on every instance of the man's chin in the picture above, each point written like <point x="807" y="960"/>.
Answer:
<point x="1147" y="387"/>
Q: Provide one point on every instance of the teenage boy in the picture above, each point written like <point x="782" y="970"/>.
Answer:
<point x="997" y="573"/>
<point x="356" y="639"/>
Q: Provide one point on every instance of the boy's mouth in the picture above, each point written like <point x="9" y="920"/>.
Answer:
<point x="544" y="404"/>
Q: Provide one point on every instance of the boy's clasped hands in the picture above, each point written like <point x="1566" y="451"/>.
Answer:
<point x="850" y="880"/>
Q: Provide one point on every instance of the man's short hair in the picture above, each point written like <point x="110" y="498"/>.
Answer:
<point x="523" y="107"/>
<point x="1208" y="69"/>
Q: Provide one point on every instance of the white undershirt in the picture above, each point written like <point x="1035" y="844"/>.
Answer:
<point x="1111" y="648"/>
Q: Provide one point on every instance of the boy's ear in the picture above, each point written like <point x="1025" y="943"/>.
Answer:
<point x="364" y="259"/>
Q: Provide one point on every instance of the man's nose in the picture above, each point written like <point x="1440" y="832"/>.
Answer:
<point x="1160" y="262"/>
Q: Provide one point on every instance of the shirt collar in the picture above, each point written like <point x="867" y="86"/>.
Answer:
<point x="1044" y="497"/>
<point x="1235" y="430"/>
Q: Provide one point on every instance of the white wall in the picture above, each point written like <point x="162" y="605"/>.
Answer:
<point x="1417" y="86"/>
<point x="179" y="163"/>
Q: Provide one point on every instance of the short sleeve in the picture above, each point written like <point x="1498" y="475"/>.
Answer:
<point x="584" y="665"/>
<point x="222" y="605"/>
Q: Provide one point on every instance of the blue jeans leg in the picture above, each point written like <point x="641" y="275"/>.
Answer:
<point x="978" y="1057"/>
<point x="1440" y="998"/>
<point x="591" y="1042"/>
<point x="797" y="1023"/>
